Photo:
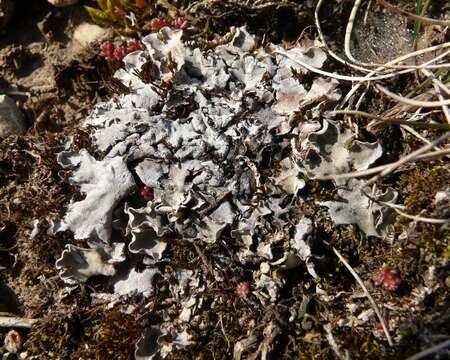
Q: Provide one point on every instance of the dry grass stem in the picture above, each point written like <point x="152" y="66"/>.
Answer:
<point x="17" y="322"/>
<point x="432" y="350"/>
<point x="410" y="157"/>
<point x="399" y="59"/>
<point x="377" y="169"/>
<point x="398" y="209"/>
<point x="421" y="19"/>
<point x="412" y="102"/>
<point x="390" y="121"/>
<point x="366" y="292"/>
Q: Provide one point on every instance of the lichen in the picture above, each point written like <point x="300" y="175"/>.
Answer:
<point x="214" y="139"/>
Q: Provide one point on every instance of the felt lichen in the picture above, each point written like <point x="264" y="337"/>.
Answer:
<point x="211" y="139"/>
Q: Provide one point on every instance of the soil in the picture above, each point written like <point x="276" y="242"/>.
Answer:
<point x="56" y="83"/>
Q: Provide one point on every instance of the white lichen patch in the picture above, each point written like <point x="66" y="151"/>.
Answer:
<point x="333" y="150"/>
<point x="154" y="343"/>
<point x="356" y="208"/>
<point x="104" y="183"/>
<point x="135" y="282"/>
<point x="225" y="141"/>
<point x="78" y="264"/>
<point x="301" y="247"/>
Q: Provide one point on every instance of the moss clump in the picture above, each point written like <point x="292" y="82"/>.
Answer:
<point x="319" y="190"/>
<point x="419" y="187"/>
<point x="434" y="238"/>
<point x="86" y="334"/>
<point x="114" y="336"/>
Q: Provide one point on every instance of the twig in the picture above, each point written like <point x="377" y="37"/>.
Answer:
<point x="404" y="124"/>
<point x="441" y="98"/>
<point x="334" y="346"/>
<point x="366" y="14"/>
<point x="391" y="121"/>
<point x="399" y="59"/>
<point x="412" y="102"/>
<point x="349" y="29"/>
<point x="389" y="65"/>
<point x="6" y="321"/>
<point x="421" y="19"/>
<point x="203" y="258"/>
<point x="417" y="217"/>
<point x="396" y="208"/>
<point x="416" y="134"/>
<point x="407" y="158"/>
<point x="223" y="331"/>
<point x="348" y="32"/>
<point x="216" y="203"/>
<point x="439" y="87"/>
<point x="375" y="170"/>
<point x="338" y="76"/>
<point x="18" y="93"/>
<point x="372" y="301"/>
<point x="322" y="38"/>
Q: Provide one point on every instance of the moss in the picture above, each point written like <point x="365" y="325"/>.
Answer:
<point x="420" y="186"/>
<point x="319" y="190"/>
<point x="433" y="238"/>
<point x="114" y="13"/>
<point x="114" y="336"/>
<point x="447" y="252"/>
<point x="82" y="333"/>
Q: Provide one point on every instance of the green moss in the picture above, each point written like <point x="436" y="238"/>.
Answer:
<point x="433" y="238"/>
<point x="420" y="186"/>
<point x="114" y="13"/>
<point x="320" y="190"/>
<point x="28" y="278"/>
<point x="447" y="252"/>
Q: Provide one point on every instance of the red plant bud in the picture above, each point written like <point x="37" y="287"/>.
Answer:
<point x="147" y="193"/>
<point x="119" y="53"/>
<point x="387" y="277"/>
<point x="379" y="329"/>
<point x="242" y="289"/>
<point x="134" y="45"/>
<point x="180" y="23"/>
<point x="107" y="50"/>
<point x="158" y="23"/>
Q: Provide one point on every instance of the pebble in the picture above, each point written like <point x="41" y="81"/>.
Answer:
<point x="13" y="342"/>
<point x="264" y="267"/>
<point x="12" y="121"/>
<point x="86" y="34"/>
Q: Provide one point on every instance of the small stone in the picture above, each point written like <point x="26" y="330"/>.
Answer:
<point x="13" y="342"/>
<point x="86" y="34"/>
<point x="11" y="119"/>
<point x="264" y="267"/>
<point x="62" y="3"/>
